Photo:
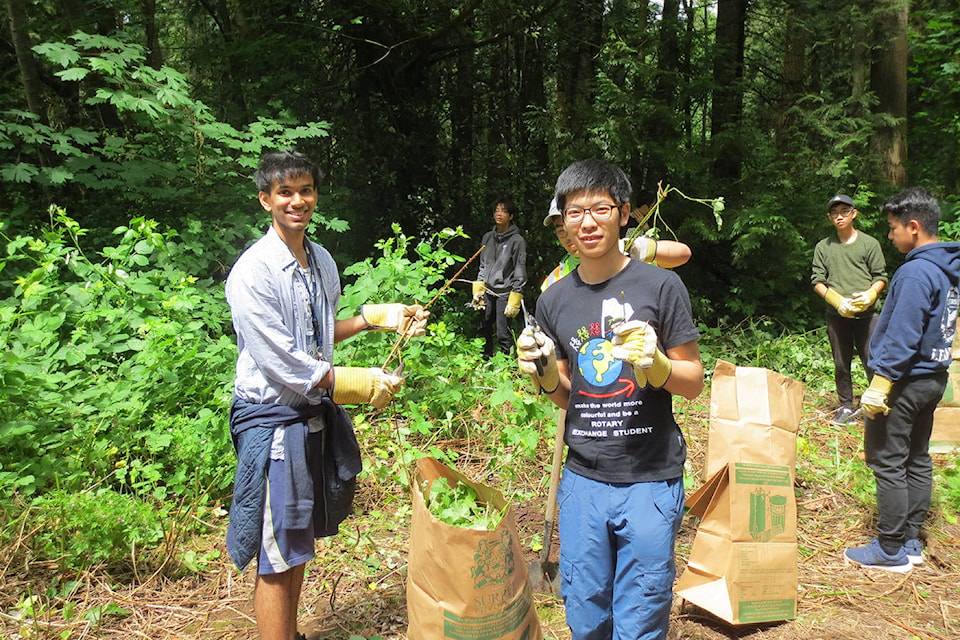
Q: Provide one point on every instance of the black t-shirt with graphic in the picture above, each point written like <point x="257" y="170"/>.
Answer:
<point x="615" y="431"/>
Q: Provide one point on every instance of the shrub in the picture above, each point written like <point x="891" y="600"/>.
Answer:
<point x="93" y="528"/>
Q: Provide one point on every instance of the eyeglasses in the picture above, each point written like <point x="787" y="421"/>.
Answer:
<point x="600" y="211"/>
<point x="833" y="215"/>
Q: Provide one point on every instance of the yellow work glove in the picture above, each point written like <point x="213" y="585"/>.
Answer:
<point x="644" y="249"/>
<point x="864" y="300"/>
<point x="636" y="342"/>
<point x="513" y="304"/>
<point x="407" y="320"/>
<point x="844" y="306"/>
<point x="362" y="385"/>
<point x="479" y="299"/>
<point x="537" y="357"/>
<point x="874" y="399"/>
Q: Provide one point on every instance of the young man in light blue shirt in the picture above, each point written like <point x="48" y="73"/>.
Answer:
<point x="297" y="455"/>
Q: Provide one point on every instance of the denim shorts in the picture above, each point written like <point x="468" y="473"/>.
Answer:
<point x="617" y="556"/>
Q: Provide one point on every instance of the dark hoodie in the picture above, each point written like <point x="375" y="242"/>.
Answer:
<point x="919" y="318"/>
<point x="503" y="263"/>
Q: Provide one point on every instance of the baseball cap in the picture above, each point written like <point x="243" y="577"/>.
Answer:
<point x="840" y="199"/>
<point x="554" y="212"/>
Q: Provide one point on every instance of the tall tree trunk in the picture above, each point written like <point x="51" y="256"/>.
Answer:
<point x="663" y="123"/>
<point x="29" y="74"/>
<point x="462" y="127"/>
<point x="728" y="89"/>
<point x="794" y="68"/>
<point x="888" y="79"/>
<point x="533" y="99"/>
<point x="73" y="11"/>
<point x="579" y="42"/>
<point x="154" y="54"/>
<point x="860" y="62"/>
<point x="500" y="112"/>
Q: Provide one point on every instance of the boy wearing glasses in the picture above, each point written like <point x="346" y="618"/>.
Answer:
<point x="663" y="253"/>
<point x="616" y="339"/>
<point x="849" y="272"/>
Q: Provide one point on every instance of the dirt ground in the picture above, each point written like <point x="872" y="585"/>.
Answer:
<point x="355" y="587"/>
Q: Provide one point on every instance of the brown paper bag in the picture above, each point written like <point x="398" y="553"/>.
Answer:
<point x="951" y="394"/>
<point x="465" y="584"/>
<point x="945" y="437"/>
<point x="754" y="417"/>
<point x="955" y="348"/>
<point x="743" y="564"/>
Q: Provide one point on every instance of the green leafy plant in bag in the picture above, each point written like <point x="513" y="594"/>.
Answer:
<point x="459" y="506"/>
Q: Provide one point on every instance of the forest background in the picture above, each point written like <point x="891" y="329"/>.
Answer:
<point x="128" y="135"/>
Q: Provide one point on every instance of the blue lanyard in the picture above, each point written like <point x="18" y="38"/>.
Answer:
<point x="311" y="288"/>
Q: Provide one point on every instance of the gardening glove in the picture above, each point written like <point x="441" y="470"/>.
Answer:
<point x="537" y="357"/>
<point x="513" y="304"/>
<point x="407" y="320"/>
<point x="874" y="399"/>
<point x="864" y="300"/>
<point x="636" y="342"/>
<point x="362" y="385"/>
<point x="844" y="306"/>
<point x="644" y="249"/>
<point x="479" y="298"/>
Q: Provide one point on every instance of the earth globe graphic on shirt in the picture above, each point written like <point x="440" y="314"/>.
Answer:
<point x="597" y="365"/>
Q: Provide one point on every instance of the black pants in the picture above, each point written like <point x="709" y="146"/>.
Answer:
<point x="847" y="334"/>
<point x="896" y="447"/>
<point x="493" y="317"/>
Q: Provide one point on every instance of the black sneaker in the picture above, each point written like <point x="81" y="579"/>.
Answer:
<point x="842" y="416"/>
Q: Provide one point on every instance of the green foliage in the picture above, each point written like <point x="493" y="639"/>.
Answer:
<point x="935" y="80"/>
<point x="93" y="528"/>
<point x="763" y="342"/>
<point x="166" y="151"/>
<point x="116" y="370"/>
<point x="117" y="374"/>
<point x="948" y="487"/>
<point x="834" y="466"/>
<point x="394" y="274"/>
<point x="459" y="506"/>
<point x="450" y="387"/>
<point x="34" y="607"/>
<point x="949" y="229"/>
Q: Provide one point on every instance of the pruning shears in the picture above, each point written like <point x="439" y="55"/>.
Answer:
<point x="531" y="322"/>
<point x="398" y="372"/>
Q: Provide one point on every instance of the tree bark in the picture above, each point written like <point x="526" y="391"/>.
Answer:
<point x="728" y="89"/>
<point x="154" y="54"/>
<point x="579" y="42"/>
<point x="663" y="123"/>
<point x="462" y="127"/>
<point x="533" y="99"/>
<point x="794" y="69"/>
<point x="29" y="74"/>
<point x="888" y="79"/>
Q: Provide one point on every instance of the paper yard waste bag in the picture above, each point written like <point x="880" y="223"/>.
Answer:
<point x="466" y="584"/>
<point x="946" y="418"/>
<point x="951" y="393"/>
<point x="945" y="437"/>
<point x="754" y="417"/>
<point x="743" y="564"/>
